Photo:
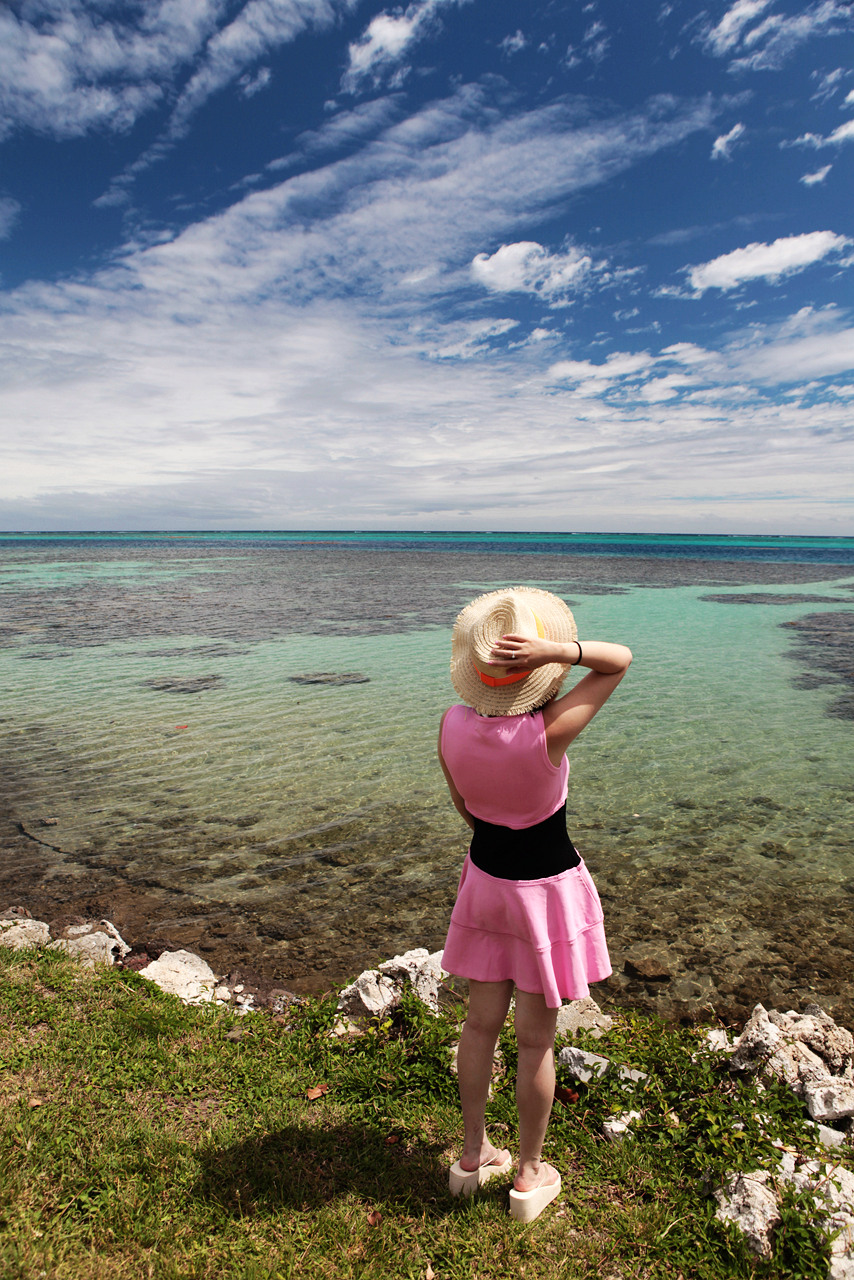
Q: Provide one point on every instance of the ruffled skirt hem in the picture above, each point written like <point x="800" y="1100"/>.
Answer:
<point x="546" y="936"/>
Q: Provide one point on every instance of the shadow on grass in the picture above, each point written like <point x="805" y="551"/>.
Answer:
<point x="306" y="1168"/>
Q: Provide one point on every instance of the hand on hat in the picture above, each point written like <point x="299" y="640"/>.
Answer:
<point x="521" y="653"/>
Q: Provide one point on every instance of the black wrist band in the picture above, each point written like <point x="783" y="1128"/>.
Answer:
<point x="580" y="654"/>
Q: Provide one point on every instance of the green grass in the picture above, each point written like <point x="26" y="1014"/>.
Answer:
<point x="138" y="1140"/>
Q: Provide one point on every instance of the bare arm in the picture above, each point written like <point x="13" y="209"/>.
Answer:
<point x="566" y="716"/>
<point x="459" y="802"/>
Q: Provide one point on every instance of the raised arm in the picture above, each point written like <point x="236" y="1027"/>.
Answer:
<point x="566" y="716"/>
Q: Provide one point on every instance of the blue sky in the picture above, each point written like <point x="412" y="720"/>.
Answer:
<point x="456" y="264"/>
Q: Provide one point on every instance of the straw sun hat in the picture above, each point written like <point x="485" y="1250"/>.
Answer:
<point x="524" y="611"/>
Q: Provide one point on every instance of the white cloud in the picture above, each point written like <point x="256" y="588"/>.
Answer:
<point x="513" y="44"/>
<point x="9" y="211"/>
<point x="807" y="345"/>
<point x="805" y="140"/>
<point x="722" y="146"/>
<point x="765" y="261"/>
<point x="285" y="415"/>
<point x="845" y="133"/>
<point x="526" y="267"/>
<point x="595" y="42"/>
<point x="465" y="341"/>
<point x="811" y="345"/>
<point x="621" y="364"/>
<point x="812" y="179"/>
<point x="415" y="204"/>
<point x="777" y="38"/>
<point x="363" y="121"/>
<point x="828" y="83"/>
<point x="722" y="38"/>
<point x="249" y="85"/>
<point x="66" y="70"/>
<point x="259" y="27"/>
<point x="657" y="390"/>
<point x="387" y="38"/>
<point x="849" y="99"/>
<point x="767" y="45"/>
<point x="261" y="368"/>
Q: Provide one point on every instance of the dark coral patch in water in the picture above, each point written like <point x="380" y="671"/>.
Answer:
<point x="182" y="684"/>
<point x="826" y="641"/>
<point x="330" y="677"/>
<point x="768" y="597"/>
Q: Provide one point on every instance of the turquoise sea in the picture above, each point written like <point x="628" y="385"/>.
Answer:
<point x="227" y="740"/>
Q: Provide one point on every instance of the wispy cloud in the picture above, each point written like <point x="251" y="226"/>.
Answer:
<point x="66" y="69"/>
<point x="619" y="366"/>
<point x="767" y="44"/>
<point x="345" y="129"/>
<point x="765" y="261"/>
<point x="726" y="34"/>
<point x="380" y="50"/>
<point x="9" y="211"/>
<point x="417" y="203"/>
<point x="809" y="345"/>
<point x="259" y="352"/>
<point x="813" y="179"/>
<point x="260" y="27"/>
<point x="723" y="145"/>
<point x="828" y="83"/>
<point x="287" y="414"/>
<point x="513" y="44"/>
<point x="249" y="84"/>
<point x="844" y="133"/>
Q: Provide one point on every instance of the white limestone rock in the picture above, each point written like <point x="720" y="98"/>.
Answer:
<point x="757" y="1042"/>
<point x="20" y="933"/>
<point x="830" y="1099"/>
<point x="630" y="1076"/>
<point x="583" y="1015"/>
<point x="616" y="1128"/>
<point x="746" y="1200"/>
<point x="584" y="1066"/>
<point x="371" y="995"/>
<point x="805" y="1050"/>
<point x="92" y="944"/>
<point x="717" y="1039"/>
<point x="423" y="970"/>
<point x="829" y="1137"/>
<point x="842" y="1253"/>
<point x="182" y="974"/>
<point x="832" y="1191"/>
<point x="834" y="1045"/>
<point x="376" y="991"/>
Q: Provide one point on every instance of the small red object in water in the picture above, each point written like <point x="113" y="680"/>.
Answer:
<point x="182" y="726"/>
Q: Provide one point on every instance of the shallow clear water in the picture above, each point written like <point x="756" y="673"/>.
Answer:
<point x="150" y="710"/>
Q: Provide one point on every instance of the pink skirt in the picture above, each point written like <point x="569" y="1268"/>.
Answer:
<point x="546" y="936"/>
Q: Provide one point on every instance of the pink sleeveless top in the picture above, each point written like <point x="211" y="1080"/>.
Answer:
<point x="501" y="768"/>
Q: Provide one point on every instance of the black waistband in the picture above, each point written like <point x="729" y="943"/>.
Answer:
<point x="531" y="853"/>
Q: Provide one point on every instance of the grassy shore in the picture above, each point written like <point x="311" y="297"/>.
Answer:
<point x="142" y="1138"/>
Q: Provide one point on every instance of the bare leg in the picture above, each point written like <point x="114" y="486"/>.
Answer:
<point x="488" y="1005"/>
<point x="535" y="1086"/>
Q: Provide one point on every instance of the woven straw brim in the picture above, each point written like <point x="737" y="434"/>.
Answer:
<point x="483" y="622"/>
